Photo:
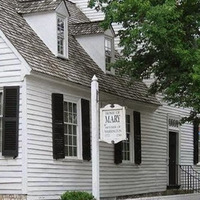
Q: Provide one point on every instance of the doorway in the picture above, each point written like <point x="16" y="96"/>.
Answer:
<point x="173" y="160"/>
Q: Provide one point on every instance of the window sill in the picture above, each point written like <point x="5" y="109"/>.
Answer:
<point x="62" y="57"/>
<point x="77" y="160"/>
<point x="68" y="159"/>
<point x="127" y="163"/>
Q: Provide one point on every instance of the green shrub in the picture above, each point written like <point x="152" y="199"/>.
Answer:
<point x="77" y="195"/>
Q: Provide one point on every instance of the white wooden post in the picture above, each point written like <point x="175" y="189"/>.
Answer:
<point x="95" y="136"/>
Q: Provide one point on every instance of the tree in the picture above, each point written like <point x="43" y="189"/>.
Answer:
<point x="160" y="37"/>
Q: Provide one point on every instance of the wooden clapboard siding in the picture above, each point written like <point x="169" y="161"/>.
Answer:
<point x="187" y="144"/>
<point x="92" y="14"/>
<point x="10" y="65"/>
<point x="186" y="130"/>
<point x="48" y="177"/>
<point x="185" y="133"/>
<point x="151" y="175"/>
<point x="10" y="74"/>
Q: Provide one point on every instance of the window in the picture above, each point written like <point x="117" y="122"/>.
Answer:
<point x="1" y="116"/>
<point x="61" y="35"/>
<point x="130" y="149"/>
<point x="70" y="129"/>
<point x="108" y="53"/>
<point x="127" y="145"/>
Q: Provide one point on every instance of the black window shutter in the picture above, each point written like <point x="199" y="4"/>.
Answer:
<point x="85" y="110"/>
<point x="137" y="137"/>
<point x="196" y="138"/>
<point x="118" y="153"/>
<point x="58" y="126"/>
<point x="10" y="121"/>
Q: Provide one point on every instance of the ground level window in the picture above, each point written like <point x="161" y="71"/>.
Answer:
<point x="70" y="129"/>
<point x="126" y="143"/>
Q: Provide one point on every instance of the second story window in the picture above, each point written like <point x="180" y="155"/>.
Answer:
<point x="61" y="35"/>
<point x="108" y="53"/>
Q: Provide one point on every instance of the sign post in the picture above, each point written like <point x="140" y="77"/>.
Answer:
<point x="95" y="136"/>
<point x="113" y="130"/>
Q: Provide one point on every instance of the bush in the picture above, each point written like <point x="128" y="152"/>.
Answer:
<point x="77" y="195"/>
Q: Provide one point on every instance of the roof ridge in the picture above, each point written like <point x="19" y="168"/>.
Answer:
<point x="89" y="22"/>
<point x="70" y="2"/>
<point x="25" y="1"/>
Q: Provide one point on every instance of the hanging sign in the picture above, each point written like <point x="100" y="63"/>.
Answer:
<point x="113" y="123"/>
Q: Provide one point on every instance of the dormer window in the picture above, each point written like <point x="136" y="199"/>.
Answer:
<point x="108" y="53"/>
<point x="51" y="26"/>
<point x="61" y="35"/>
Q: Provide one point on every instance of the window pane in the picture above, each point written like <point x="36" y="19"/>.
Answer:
<point x="70" y="117"/>
<point x="70" y="129"/>
<point x="70" y="107"/>
<point x="74" y="108"/>
<point x="74" y="120"/>
<point x="75" y="151"/>
<point x="108" y="44"/>
<point x="65" y="106"/>
<point x="65" y="116"/>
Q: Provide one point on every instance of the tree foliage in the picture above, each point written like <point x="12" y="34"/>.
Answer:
<point x="160" y="37"/>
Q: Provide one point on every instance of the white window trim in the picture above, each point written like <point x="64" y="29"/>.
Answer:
<point x="131" y="161"/>
<point x="112" y="70"/>
<point x="65" y="45"/>
<point x="79" y="128"/>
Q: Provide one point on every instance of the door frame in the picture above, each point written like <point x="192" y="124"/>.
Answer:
<point x="171" y="127"/>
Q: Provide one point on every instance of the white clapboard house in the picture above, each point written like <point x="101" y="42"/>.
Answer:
<point x="49" y="52"/>
<point x="181" y="142"/>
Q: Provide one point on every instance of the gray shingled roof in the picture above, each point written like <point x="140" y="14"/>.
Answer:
<point x="86" y="28"/>
<point x="25" y="7"/>
<point x="76" y="16"/>
<point x="79" y="68"/>
<point x="33" y="6"/>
